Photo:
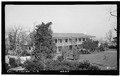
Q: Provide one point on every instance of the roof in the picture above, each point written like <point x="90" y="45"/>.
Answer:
<point x="71" y="35"/>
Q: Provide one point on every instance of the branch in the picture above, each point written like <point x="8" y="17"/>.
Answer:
<point x="112" y="14"/>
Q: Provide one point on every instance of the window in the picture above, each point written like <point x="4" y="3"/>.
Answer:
<point x="79" y="39"/>
<point x="29" y="48"/>
<point x="76" y="39"/>
<point x="66" y="40"/>
<point x="55" y="40"/>
<point x="70" y="40"/>
<point x="83" y="39"/>
<point x="60" y="40"/>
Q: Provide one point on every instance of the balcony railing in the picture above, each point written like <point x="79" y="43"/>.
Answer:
<point x="68" y="43"/>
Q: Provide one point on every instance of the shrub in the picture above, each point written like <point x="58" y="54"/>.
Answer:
<point x="75" y="53"/>
<point x="66" y="65"/>
<point x="84" y="51"/>
<point x="60" y="58"/>
<point x="25" y="53"/>
<point x="90" y="45"/>
<point x="93" y="68"/>
<point x="101" y="48"/>
<point x="33" y="65"/>
<point x="85" y="65"/>
<point x="12" y="62"/>
<point x="6" y="66"/>
<point x="112" y="47"/>
<point x="59" y="65"/>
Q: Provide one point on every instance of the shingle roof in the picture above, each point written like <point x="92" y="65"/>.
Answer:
<point x="71" y="35"/>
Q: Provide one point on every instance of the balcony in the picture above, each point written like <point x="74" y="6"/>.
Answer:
<point x="68" y="43"/>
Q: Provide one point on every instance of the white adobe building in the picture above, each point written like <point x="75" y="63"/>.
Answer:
<point x="69" y="39"/>
<point x="66" y="40"/>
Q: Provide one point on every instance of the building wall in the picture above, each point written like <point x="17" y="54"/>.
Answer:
<point x="69" y="41"/>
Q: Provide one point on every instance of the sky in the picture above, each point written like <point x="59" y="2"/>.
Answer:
<point x="89" y="19"/>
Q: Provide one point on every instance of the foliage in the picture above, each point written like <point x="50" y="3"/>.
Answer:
<point x="33" y="65"/>
<point x="90" y="45"/>
<point x="12" y="62"/>
<point x="75" y="53"/>
<point x="59" y="65"/>
<point x="15" y="39"/>
<point x="25" y="53"/>
<point x="11" y="41"/>
<point x="7" y="67"/>
<point x="84" y="51"/>
<point x="103" y="46"/>
<point x="112" y="47"/>
<point x="109" y="36"/>
<point x="85" y="65"/>
<point x="43" y="41"/>
<point x="44" y="47"/>
<point x="65" y="52"/>
<point x="67" y="65"/>
<point x="60" y="58"/>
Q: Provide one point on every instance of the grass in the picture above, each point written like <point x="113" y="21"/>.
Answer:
<point x="102" y="59"/>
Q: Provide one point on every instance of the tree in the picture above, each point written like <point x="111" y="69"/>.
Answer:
<point x="109" y="36"/>
<point x="113" y="13"/>
<point x="75" y="53"/>
<point x="11" y="41"/>
<point x="65" y="52"/>
<point x="43" y="43"/>
<point x="17" y="38"/>
<point x="90" y="45"/>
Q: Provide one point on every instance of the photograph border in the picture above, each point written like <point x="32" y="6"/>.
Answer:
<point x="101" y="72"/>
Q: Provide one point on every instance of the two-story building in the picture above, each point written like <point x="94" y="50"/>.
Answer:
<point x="69" y="39"/>
<point x="65" y="40"/>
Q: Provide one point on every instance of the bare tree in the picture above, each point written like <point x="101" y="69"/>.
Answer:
<point x="109" y="36"/>
<point x="17" y="38"/>
<point x="113" y="13"/>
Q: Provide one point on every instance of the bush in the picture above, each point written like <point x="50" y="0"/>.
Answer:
<point x="59" y="65"/>
<point x="60" y="58"/>
<point x="85" y="65"/>
<point x="7" y="67"/>
<point x="66" y="65"/>
<point x="84" y="51"/>
<point x="90" y="45"/>
<point x="112" y="47"/>
<point x="93" y="68"/>
<point x="101" y="48"/>
<point x="33" y="65"/>
<point x="25" y="53"/>
<point x="12" y="62"/>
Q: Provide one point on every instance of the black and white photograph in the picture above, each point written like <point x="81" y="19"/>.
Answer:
<point x="63" y="38"/>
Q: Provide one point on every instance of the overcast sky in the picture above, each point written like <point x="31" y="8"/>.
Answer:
<point x="89" y="19"/>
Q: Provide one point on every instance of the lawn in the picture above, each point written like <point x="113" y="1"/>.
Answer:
<point x="104" y="59"/>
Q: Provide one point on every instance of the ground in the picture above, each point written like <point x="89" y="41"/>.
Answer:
<point x="105" y="60"/>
